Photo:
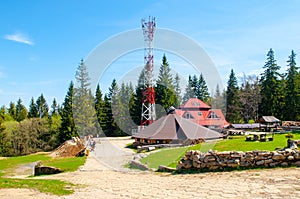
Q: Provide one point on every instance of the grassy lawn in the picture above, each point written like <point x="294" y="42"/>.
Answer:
<point x="164" y="157"/>
<point x="66" y="164"/>
<point x="170" y="157"/>
<point x="56" y="187"/>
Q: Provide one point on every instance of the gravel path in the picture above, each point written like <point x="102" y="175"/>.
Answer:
<point x="102" y="181"/>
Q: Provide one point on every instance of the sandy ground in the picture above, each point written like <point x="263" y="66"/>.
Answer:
<point x="99" y="179"/>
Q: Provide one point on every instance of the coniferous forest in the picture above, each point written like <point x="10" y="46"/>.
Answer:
<point x="43" y="126"/>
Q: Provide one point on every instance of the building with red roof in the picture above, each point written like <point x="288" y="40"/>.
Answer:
<point x="199" y="112"/>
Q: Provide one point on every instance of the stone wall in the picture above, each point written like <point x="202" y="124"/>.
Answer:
<point x="216" y="161"/>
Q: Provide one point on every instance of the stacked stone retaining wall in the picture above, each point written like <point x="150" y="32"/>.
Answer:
<point x="216" y="161"/>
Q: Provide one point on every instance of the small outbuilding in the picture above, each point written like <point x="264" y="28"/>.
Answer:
<point x="270" y="122"/>
<point x="173" y="129"/>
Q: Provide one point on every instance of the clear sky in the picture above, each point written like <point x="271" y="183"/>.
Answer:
<point x="42" y="42"/>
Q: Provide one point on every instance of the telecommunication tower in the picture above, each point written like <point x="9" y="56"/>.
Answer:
<point x="148" y="100"/>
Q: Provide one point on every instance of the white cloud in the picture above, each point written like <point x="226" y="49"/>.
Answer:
<point x="19" y="37"/>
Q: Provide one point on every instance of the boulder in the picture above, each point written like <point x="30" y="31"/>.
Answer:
<point x="278" y="157"/>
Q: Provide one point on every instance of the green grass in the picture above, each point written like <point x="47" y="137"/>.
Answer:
<point x="170" y="157"/>
<point x="66" y="164"/>
<point x="12" y="162"/>
<point x="163" y="157"/>
<point x="56" y="187"/>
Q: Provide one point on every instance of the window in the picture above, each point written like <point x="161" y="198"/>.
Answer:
<point x="213" y="115"/>
<point x="198" y="104"/>
<point x="199" y="113"/>
<point x="193" y="104"/>
<point x="187" y="116"/>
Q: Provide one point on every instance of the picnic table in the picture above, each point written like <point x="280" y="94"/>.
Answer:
<point x="259" y="136"/>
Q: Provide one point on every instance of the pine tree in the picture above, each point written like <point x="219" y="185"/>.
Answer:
<point x="292" y="89"/>
<point x="83" y="103"/>
<point x="67" y="129"/>
<point x="189" y="92"/>
<point x="33" y="112"/>
<point x="232" y="99"/>
<point x="108" y="124"/>
<point x="177" y="89"/>
<point x="194" y="85"/>
<point x="120" y="110"/>
<point x="136" y="109"/>
<point x="12" y="110"/>
<point x="219" y="100"/>
<point x="269" y="85"/>
<point x="202" y="90"/>
<point x="54" y="108"/>
<point x="165" y="94"/>
<point x="21" y="111"/>
<point x="42" y="107"/>
<point x="99" y="106"/>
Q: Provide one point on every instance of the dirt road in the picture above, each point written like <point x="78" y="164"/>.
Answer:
<point x="101" y="181"/>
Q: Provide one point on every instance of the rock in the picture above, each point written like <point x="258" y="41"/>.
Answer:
<point x="284" y="164"/>
<point x="187" y="164"/>
<point x="151" y="148"/>
<point x="278" y="156"/>
<point x="213" y="168"/>
<point x="163" y="168"/>
<point x="232" y="165"/>
<point x="268" y="161"/>
<point x="195" y="157"/>
<point x="259" y="163"/>
<point x="209" y="158"/>
<point x="297" y="164"/>
<point x="244" y="164"/>
<point x="297" y="156"/>
<point x="274" y="164"/>
<point x="45" y="170"/>
<point x="290" y="158"/>
<point x="138" y="165"/>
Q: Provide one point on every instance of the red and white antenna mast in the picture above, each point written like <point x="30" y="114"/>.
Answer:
<point x="148" y="101"/>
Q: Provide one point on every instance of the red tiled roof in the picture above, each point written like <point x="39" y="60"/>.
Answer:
<point x="194" y="103"/>
<point x="200" y="113"/>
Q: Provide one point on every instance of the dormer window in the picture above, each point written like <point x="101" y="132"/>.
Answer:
<point x="213" y="115"/>
<point x="187" y="116"/>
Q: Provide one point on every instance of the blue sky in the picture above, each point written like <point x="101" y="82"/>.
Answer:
<point x="42" y="42"/>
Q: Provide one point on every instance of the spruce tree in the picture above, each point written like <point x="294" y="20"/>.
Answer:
<point x="177" y="89"/>
<point x="83" y="103"/>
<point x="164" y="90"/>
<point x="233" y="105"/>
<point x="99" y="104"/>
<point x="292" y="89"/>
<point x="202" y="90"/>
<point x="12" y="110"/>
<point x="42" y="107"/>
<point x="136" y="109"/>
<point x="54" y="108"/>
<point x="33" y="112"/>
<point x="21" y="111"/>
<point x="219" y="100"/>
<point x="67" y="129"/>
<point x="269" y="86"/>
<point x="189" y="92"/>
